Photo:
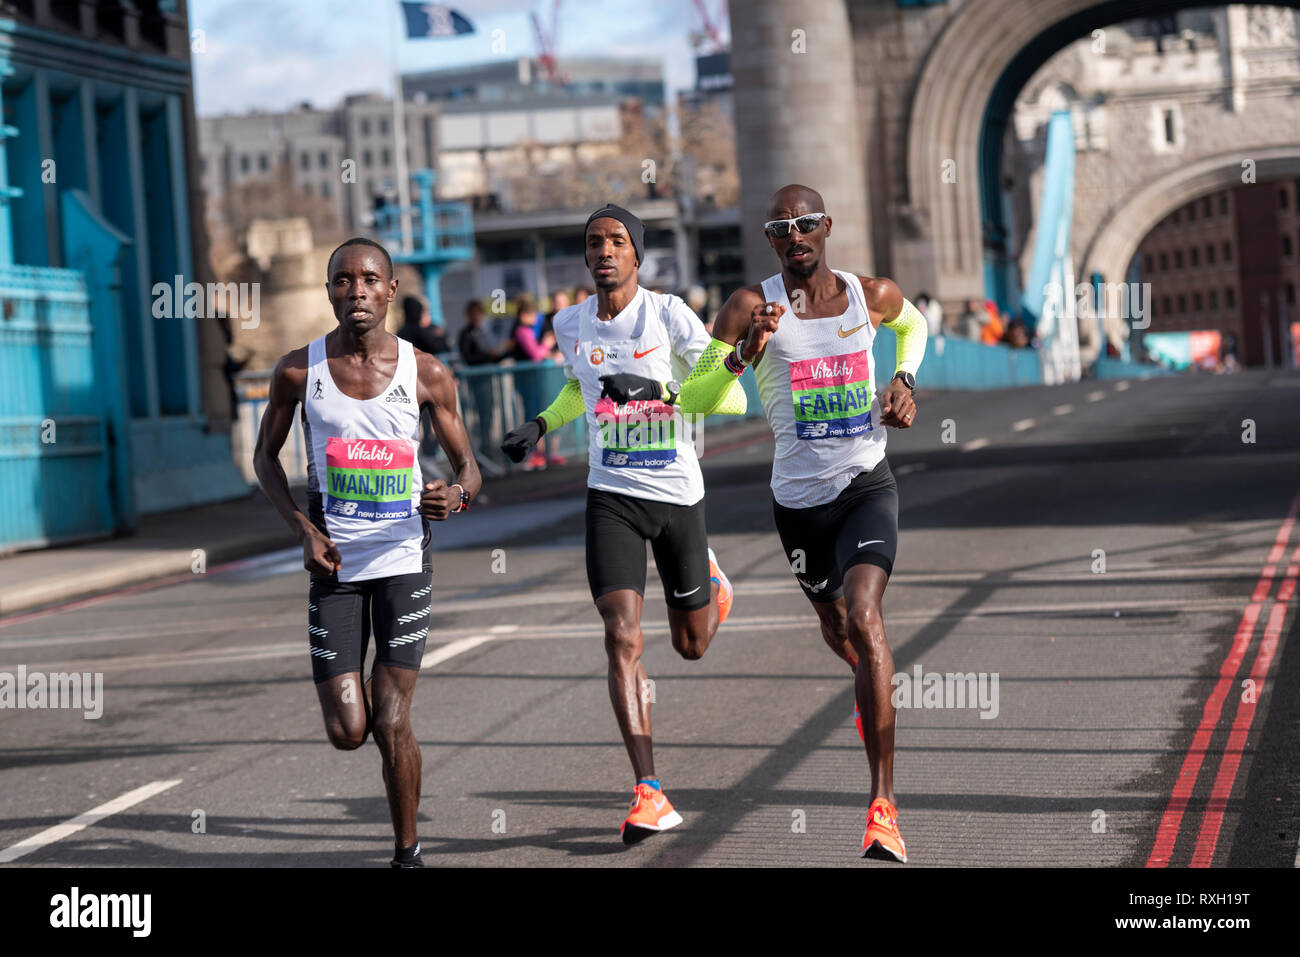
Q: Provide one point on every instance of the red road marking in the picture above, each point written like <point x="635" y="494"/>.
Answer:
<point x="1172" y="819"/>
<point x="1208" y="838"/>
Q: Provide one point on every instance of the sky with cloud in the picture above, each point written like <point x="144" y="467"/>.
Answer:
<point x="271" y="54"/>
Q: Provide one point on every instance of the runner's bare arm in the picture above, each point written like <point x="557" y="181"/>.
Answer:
<point x="738" y="315"/>
<point x="884" y="299"/>
<point x="437" y="389"/>
<point x="288" y="382"/>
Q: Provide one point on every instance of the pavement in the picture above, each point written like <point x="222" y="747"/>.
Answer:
<point x="1117" y="555"/>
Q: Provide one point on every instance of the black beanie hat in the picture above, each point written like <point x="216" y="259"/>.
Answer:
<point x="635" y="228"/>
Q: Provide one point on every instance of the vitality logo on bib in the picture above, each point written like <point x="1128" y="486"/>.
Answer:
<point x="641" y="434"/>
<point x="369" y="478"/>
<point x="832" y="396"/>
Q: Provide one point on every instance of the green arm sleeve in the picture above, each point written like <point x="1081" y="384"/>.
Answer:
<point x="568" y="405"/>
<point x="910" y="328"/>
<point x="712" y="388"/>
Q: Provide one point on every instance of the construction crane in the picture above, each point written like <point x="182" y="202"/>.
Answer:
<point x="546" y="45"/>
<point x="710" y="33"/>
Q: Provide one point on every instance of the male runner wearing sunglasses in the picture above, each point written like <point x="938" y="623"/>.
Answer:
<point x="644" y="482"/>
<point x="835" y="499"/>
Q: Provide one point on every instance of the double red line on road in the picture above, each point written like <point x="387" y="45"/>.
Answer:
<point x="1171" y="821"/>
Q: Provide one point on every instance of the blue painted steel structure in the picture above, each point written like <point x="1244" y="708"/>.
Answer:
<point x="1055" y="215"/>
<point x="100" y="409"/>
<point x="442" y="234"/>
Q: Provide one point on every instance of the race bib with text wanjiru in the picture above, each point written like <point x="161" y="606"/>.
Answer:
<point x="832" y="396"/>
<point x="369" y="478"/>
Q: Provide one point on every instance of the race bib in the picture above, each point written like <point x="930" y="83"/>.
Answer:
<point x="639" y="435"/>
<point x="369" y="478"/>
<point x="832" y="396"/>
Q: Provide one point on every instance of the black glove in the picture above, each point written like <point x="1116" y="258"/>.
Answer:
<point x="522" y="438"/>
<point x="625" y="387"/>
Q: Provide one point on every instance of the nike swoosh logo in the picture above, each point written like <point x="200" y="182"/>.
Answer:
<point x="683" y="594"/>
<point x="659" y="803"/>
<point x="638" y="355"/>
<point x="635" y="391"/>
<point x="845" y="335"/>
<point x="874" y="541"/>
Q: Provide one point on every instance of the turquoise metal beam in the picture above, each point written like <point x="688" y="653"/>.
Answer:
<point x="7" y="193"/>
<point x="94" y="247"/>
<point x="1055" y="214"/>
<point x="139" y="234"/>
<point x="184" y="252"/>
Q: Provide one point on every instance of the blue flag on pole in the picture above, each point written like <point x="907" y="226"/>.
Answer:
<point x="434" y="20"/>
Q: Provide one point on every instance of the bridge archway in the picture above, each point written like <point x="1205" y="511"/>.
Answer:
<point x="1112" y="248"/>
<point x="982" y="57"/>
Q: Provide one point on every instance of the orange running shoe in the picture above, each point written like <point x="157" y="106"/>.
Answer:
<point x="725" y="593"/>
<point x="882" y="839"/>
<point x="650" y="814"/>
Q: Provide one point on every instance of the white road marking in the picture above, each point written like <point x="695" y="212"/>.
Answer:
<point x="1022" y="425"/>
<point x="83" y="821"/>
<point x="503" y="629"/>
<point x="1063" y="409"/>
<point x="1121" y="385"/>
<point x="1095" y="396"/>
<point x="910" y="468"/>
<point x="974" y="445"/>
<point x="438" y="655"/>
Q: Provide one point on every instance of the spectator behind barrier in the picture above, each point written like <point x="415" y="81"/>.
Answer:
<point x="475" y="344"/>
<point x="418" y="329"/>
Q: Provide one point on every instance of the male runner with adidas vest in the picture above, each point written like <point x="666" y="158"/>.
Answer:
<point x="835" y="499"/>
<point x="644" y="482"/>
<point x="365" y="537"/>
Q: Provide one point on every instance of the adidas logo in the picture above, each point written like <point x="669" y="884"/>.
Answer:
<point x="398" y="395"/>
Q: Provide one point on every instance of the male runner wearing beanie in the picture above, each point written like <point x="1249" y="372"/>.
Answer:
<point x="835" y="499"/>
<point x="365" y="539"/>
<point x="644" y="481"/>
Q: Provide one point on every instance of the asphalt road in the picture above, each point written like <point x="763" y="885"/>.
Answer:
<point x="1092" y="758"/>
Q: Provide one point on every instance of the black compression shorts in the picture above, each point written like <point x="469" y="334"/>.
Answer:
<point x="618" y="526"/>
<point x="859" y="526"/>
<point x="342" y="615"/>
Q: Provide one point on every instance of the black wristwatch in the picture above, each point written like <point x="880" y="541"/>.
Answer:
<point x="464" y="497"/>
<point x="908" y="380"/>
<point x="674" y="389"/>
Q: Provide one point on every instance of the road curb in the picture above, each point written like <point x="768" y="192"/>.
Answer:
<point x="116" y="572"/>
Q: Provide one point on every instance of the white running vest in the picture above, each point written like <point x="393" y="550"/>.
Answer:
<point x="361" y="460"/>
<point x="817" y="383"/>
<point x="644" y="449"/>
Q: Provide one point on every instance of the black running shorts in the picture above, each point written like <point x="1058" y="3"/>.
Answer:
<point x="342" y="615"/>
<point x="859" y="526"/>
<point x="618" y="526"/>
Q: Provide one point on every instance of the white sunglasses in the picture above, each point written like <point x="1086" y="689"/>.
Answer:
<point x="780" y="228"/>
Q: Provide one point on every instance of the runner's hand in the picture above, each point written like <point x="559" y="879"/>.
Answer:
<point x="762" y="323"/>
<point x="898" y="407"/>
<point x="625" y="387"/>
<point x="320" y="556"/>
<point x="438" y="500"/>
<point x="520" y="439"/>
